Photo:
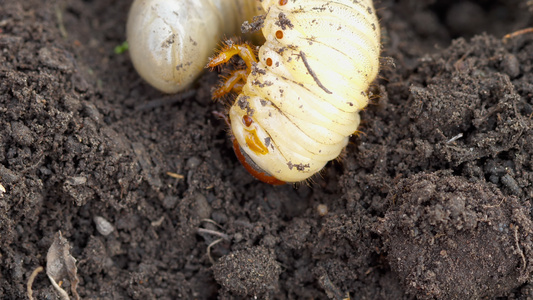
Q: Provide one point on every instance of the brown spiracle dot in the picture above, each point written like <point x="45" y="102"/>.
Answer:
<point x="247" y="120"/>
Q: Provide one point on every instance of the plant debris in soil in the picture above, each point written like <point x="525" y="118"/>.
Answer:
<point x="432" y="201"/>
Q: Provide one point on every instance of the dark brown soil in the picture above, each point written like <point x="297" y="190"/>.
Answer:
<point x="431" y="201"/>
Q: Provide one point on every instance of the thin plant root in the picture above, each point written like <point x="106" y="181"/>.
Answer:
<point x="30" y="281"/>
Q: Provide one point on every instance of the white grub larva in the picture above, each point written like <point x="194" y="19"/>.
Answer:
<point x="302" y="96"/>
<point x="171" y="40"/>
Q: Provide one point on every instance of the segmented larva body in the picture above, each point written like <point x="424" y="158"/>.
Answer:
<point x="170" y="40"/>
<point x="301" y="102"/>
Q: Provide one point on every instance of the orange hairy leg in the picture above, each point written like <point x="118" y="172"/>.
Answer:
<point x="243" y="50"/>
<point x="237" y="78"/>
<point x="234" y="82"/>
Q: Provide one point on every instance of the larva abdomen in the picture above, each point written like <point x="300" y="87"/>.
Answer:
<point x="344" y="39"/>
<point x="301" y="100"/>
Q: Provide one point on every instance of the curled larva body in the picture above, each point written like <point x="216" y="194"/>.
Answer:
<point x="301" y="101"/>
<point x="170" y="40"/>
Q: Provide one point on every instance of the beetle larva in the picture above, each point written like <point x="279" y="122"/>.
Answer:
<point x="303" y="94"/>
<point x="170" y="40"/>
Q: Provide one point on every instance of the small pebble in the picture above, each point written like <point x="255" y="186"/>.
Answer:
<point x="21" y="134"/>
<point x="511" y="65"/>
<point x="322" y="209"/>
<point x="79" y="180"/>
<point x="103" y="226"/>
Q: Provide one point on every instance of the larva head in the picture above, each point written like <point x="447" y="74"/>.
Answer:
<point x="247" y="132"/>
<point x="270" y="155"/>
<point x="252" y="168"/>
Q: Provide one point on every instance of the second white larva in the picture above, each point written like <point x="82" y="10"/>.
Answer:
<point x="170" y="40"/>
<point x="301" y="101"/>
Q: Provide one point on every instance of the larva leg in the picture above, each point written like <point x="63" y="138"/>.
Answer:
<point x="222" y="116"/>
<point x="237" y="78"/>
<point x="234" y="82"/>
<point x="243" y="50"/>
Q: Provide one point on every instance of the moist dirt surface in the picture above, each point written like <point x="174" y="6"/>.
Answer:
<point x="431" y="201"/>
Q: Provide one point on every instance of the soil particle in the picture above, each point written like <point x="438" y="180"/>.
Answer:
<point x="448" y="238"/>
<point x="251" y="272"/>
